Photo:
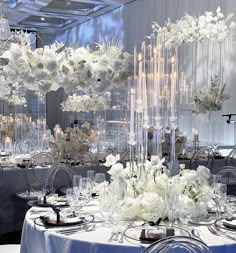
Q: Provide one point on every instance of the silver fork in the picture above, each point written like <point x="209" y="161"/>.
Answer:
<point x="113" y="233"/>
<point x="217" y="232"/>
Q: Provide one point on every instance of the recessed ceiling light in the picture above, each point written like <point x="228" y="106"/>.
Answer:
<point x="42" y="18"/>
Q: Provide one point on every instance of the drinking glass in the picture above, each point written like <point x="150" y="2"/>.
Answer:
<point x="76" y="182"/>
<point x="106" y="210"/>
<point x="99" y="178"/>
<point x="85" y="188"/>
<point x="219" y="196"/>
<point x="72" y="198"/>
<point x="90" y="175"/>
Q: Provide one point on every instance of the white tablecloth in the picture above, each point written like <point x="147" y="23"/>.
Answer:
<point x="36" y="239"/>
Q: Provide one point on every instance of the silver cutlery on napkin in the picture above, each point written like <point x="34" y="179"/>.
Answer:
<point x="218" y="232"/>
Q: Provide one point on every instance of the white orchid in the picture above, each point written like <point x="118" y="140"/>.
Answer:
<point x="149" y="191"/>
<point x="190" y="28"/>
<point x="111" y="160"/>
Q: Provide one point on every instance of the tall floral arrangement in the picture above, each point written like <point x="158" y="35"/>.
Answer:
<point x="51" y="67"/>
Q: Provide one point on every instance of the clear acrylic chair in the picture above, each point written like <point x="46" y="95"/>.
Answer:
<point x="228" y="174"/>
<point x="231" y="158"/>
<point x="35" y="175"/>
<point x="85" y="158"/>
<point x="175" y="244"/>
<point x="59" y="175"/>
<point x="204" y="156"/>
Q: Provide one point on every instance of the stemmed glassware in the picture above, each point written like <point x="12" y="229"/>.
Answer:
<point x="219" y="193"/>
<point x="76" y="183"/>
<point x="85" y="188"/>
<point x="72" y="198"/>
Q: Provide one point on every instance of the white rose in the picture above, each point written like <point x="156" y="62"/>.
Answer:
<point x="111" y="160"/>
<point x="116" y="170"/>
<point x="203" y="173"/>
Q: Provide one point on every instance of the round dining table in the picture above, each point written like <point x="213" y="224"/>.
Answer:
<point x="41" y="239"/>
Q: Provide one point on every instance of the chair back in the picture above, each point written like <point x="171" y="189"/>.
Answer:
<point x="35" y="175"/>
<point x="228" y="174"/>
<point x="85" y="158"/>
<point x="204" y="156"/>
<point x="178" y="244"/>
<point x="57" y="176"/>
<point x="231" y="158"/>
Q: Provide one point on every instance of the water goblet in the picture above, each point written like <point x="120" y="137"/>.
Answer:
<point x="72" y="198"/>
<point x="76" y="182"/>
<point x="85" y="188"/>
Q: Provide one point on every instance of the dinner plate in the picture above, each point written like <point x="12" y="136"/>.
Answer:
<point x="80" y="219"/>
<point x="134" y="233"/>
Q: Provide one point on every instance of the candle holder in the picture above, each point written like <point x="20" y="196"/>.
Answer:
<point x="195" y="146"/>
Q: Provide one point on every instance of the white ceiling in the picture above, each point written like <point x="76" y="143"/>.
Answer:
<point x="51" y="16"/>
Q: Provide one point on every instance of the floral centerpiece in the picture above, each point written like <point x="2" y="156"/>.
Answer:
<point x="150" y="192"/>
<point x="190" y="28"/>
<point x="71" y="142"/>
<point x="51" y="67"/>
<point x="84" y="103"/>
<point x="16" y="100"/>
<point x="210" y="98"/>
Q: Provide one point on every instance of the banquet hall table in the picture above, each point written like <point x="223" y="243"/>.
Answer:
<point x="13" y="180"/>
<point x="38" y="239"/>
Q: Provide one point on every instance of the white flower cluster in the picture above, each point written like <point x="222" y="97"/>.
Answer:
<point x="210" y="98"/>
<point x="16" y="100"/>
<point x="83" y="103"/>
<point x="190" y="28"/>
<point x="149" y="195"/>
<point x="51" y="67"/>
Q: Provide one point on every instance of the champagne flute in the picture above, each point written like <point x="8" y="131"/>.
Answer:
<point x="76" y="182"/>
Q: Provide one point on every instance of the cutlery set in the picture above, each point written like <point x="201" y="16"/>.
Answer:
<point x="73" y="230"/>
<point x="215" y="231"/>
<point x="117" y="235"/>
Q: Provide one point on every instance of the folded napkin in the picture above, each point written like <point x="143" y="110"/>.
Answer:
<point x="230" y="223"/>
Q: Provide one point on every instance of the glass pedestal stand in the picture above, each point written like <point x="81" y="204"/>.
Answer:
<point x="173" y="166"/>
<point x="132" y="144"/>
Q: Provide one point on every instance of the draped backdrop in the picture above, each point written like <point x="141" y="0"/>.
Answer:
<point x="133" y="22"/>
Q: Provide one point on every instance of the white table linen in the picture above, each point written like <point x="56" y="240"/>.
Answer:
<point x="36" y="239"/>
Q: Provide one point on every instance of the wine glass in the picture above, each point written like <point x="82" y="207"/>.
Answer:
<point x="85" y="188"/>
<point x="106" y="210"/>
<point x="219" y="196"/>
<point x="90" y="175"/>
<point x="76" y="182"/>
<point x="72" y="198"/>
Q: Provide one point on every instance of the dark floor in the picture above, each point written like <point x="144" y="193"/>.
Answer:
<point x="10" y="238"/>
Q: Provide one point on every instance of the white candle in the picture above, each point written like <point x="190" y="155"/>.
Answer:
<point x="173" y="87"/>
<point x="193" y="131"/>
<point x="144" y="92"/>
<point x="139" y="76"/>
<point x="156" y="83"/>
<point x="8" y="143"/>
<point x="185" y="137"/>
<point x="58" y="134"/>
<point x="132" y="105"/>
<point x="196" y="136"/>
